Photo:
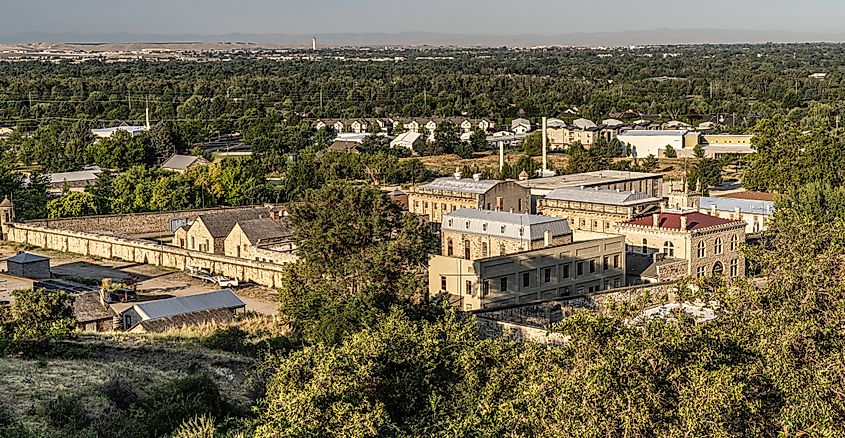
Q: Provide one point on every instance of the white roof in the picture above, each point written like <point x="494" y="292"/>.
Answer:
<point x="69" y="177"/>
<point x="519" y="122"/>
<point x="112" y="130"/>
<point x="604" y="196"/>
<point x="221" y="299"/>
<point x="653" y="133"/>
<point x="466" y="185"/>
<point x="180" y="162"/>
<point x="612" y="122"/>
<point x="504" y="224"/>
<point x="409" y="137"/>
<point x="584" y="123"/>
<point x="751" y="206"/>
<point x="555" y="123"/>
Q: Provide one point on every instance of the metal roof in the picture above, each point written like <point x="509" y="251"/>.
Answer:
<point x="653" y="133"/>
<point x="180" y="162"/>
<point x="26" y="257"/>
<point x="112" y="130"/>
<point x="467" y="185"/>
<point x="745" y="205"/>
<point x="596" y="196"/>
<point x="221" y="299"/>
<point x="586" y="179"/>
<point x="504" y="224"/>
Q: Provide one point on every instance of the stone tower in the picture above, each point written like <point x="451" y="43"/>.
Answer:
<point x="7" y="216"/>
<point x="684" y="199"/>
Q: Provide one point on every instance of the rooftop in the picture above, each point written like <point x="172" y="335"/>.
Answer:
<point x="600" y="196"/>
<point x="672" y="221"/>
<point x="112" y="130"/>
<point x="257" y="230"/>
<point x="220" y="224"/>
<point x="181" y="162"/>
<point x="222" y="299"/>
<point x="78" y="176"/>
<point x="88" y="308"/>
<point x="26" y="257"/>
<point x="191" y="318"/>
<point x="759" y="196"/>
<point x="586" y="179"/>
<point x="466" y="185"/>
<point x="745" y="205"/>
<point x="653" y="133"/>
<point x="500" y="223"/>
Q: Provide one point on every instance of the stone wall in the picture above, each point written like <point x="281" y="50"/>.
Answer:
<point x="489" y="328"/>
<point x="142" y="251"/>
<point x="155" y="223"/>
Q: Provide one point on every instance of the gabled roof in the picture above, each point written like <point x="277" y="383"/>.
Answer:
<point x="26" y="257"/>
<point x="504" y="224"/>
<point x="78" y="176"/>
<point x="653" y="133"/>
<point x="258" y="230"/>
<point x="221" y="299"/>
<point x="410" y="137"/>
<point x="184" y="319"/>
<point x="604" y="196"/>
<point x="672" y="221"/>
<point x="220" y="224"/>
<point x="182" y="162"/>
<point x="465" y="185"/>
<point x="584" y="123"/>
<point x="342" y="145"/>
<point x="88" y="308"/>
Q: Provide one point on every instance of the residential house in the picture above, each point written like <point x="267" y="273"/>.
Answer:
<point x="210" y="307"/>
<point x="492" y="259"/>
<point x="598" y="210"/>
<point x="181" y="163"/>
<point x="444" y="195"/>
<point x="73" y="181"/>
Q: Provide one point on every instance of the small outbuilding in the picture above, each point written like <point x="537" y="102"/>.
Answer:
<point x="28" y="265"/>
<point x="181" y="163"/>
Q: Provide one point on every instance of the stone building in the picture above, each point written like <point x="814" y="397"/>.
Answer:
<point x="755" y="213"/>
<point x="248" y="238"/>
<point x="474" y="234"/>
<point x="208" y="232"/>
<point x="492" y="259"/>
<point x="648" y="183"/>
<point x="597" y="209"/>
<point x="445" y="195"/>
<point x="707" y="245"/>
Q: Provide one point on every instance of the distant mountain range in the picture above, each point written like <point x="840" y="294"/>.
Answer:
<point x="620" y="38"/>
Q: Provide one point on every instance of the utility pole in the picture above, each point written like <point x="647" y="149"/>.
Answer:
<point x="425" y="98"/>
<point x="321" y="98"/>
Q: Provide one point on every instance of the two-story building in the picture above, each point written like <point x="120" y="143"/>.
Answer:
<point x="445" y="195"/>
<point x="598" y="210"/>
<point x="493" y="259"/>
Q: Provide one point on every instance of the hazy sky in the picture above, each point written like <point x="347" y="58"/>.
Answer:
<point x="455" y="16"/>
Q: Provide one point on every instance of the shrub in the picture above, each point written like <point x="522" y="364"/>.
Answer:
<point x="231" y="339"/>
<point x="120" y="392"/>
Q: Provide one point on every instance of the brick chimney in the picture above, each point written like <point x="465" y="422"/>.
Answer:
<point x="737" y="213"/>
<point x="683" y="222"/>
<point x="712" y="210"/>
<point x="655" y="220"/>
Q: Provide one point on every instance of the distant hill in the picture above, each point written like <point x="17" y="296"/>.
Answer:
<point x="620" y="38"/>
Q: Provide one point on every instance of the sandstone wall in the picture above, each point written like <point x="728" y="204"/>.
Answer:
<point x="142" y="251"/>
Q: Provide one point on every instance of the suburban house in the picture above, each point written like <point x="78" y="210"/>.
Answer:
<point x="520" y="126"/>
<point x="408" y="140"/>
<point x="492" y="259"/>
<point x="259" y="239"/>
<point x="594" y="209"/>
<point x="444" y="195"/>
<point x="561" y="134"/>
<point x="181" y="163"/>
<point x="208" y="232"/>
<point x="156" y="316"/>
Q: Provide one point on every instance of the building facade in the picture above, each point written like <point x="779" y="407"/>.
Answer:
<point x="445" y="195"/>
<point x="597" y="210"/>
<point x="756" y="214"/>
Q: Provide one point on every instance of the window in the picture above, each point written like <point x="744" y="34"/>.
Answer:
<point x="592" y="266"/>
<point x="579" y="268"/>
<point x="606" y="285"/>
<point x="565" y="271"/>
<point x="519" y="204"/>
<point x="484" y="227"/>
<point x="583" y="223"/>
<point x="699" y="272"/>
<point x="734" y="268"/>
<point x="503" y="284"/>
<point x="503" y="229"/>
<point x="416" y="204"/>
<point x="466" y="225"/>
<point x="442" y="282"/>
<point x="467" y="254"/>
<point x="616" y="261"/>
<point x="645" y="246"/>
<point x="425" y="205"/>
<point x="718" y="269"/>
<point x="449" y="248"/>
<point x="193" y="242"/>
<point x="443" y="206"/>
<point x="616" y="283"/>
<point x="605" y="263"/>
<point x="702" y="249"/>
<point x="450" y="222"/>
<point x="668" y="249"/>
<point x="717" y="246"/>
<point x="595" y="224"/>
<point x="501" y="249"/>
<point x="468" y="289"/>
<point x="521" y="231"/>
<point x="564" y="292"/>
<point x="484" y="249"/>
<point x="485" y="288"/>
<point x="547" y="275"/>
<point x="580" y="290"/>
<point x="734" y="240"/>
<point x="526" y="279"/>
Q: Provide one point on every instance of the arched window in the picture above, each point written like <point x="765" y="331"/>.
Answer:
<point x="718" y="269"/>
<point x="717" y="246"/>
<point x="449" y="248"/>
<point x="645" y="246"/>
<point x="734" y="241"/>
<point x="702" y="249"/>
<point x="669" y="249"/>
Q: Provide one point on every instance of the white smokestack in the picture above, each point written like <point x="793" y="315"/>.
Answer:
<point x="148" y="117"/>
<point x="501" y="156"/>
<point x="545" y="159"/>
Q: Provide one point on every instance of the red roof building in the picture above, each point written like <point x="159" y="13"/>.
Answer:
<point x="682" y="221"/>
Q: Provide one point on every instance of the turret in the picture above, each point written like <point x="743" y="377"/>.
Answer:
<point x="7" y="216"/>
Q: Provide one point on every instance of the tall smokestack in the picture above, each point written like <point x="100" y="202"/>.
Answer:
<point x="545" y="159"/>
<point x="501" y="156"/>
<point x="148" y="117"/>
<point x="314" y="43"/>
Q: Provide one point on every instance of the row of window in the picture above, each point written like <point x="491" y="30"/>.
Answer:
<point x="718" y="269"/>
<point x="701" y="249"/>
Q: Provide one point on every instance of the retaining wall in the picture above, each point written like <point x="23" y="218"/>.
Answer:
<point x="142" y="251"/>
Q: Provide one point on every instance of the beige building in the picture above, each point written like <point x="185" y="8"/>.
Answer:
<point x="597" y="210"/>
<point x="208" y="232"/>
<point x="259" y="239"/>
<point x="699" y="244"/>
<point x="494" y="259"/>
<point x="755" y="213"/>
<point x="647" y="183"/>
<point x="475" y="234"/>
<point x="445" y="195"/>
<point x="586" y="132"/>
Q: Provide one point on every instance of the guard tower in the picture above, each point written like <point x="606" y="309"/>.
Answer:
<point x="7" y="216"/>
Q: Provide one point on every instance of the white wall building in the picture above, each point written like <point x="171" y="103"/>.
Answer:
<point x="642" y="143"/>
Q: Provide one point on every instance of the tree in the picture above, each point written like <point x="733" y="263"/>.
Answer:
<point x="38" y="315"/>
<point x="532" y="144"/>
<point x="463" y="150"/>
<point x="698" y="151"/>
<point x="446" y="136"/>
<point x="707" y="172"/>
<point x="72" y="204"/>
<point x="478" y="140"/>
<point x="669" y="152"/>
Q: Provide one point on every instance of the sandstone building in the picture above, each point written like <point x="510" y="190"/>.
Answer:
<point x="445" y="195"/>
<point x="595" y="209"/>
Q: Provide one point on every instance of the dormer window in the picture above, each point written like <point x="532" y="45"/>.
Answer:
<point x="467" y="225"/>
<point x="503" y="229"/>
<point x="484" y="227"/>
<point x="450" y="222"/>
<point x="521" y="231"/>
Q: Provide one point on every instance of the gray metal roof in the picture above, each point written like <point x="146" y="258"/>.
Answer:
<point x="221" y="299"/>
<point x="180" y="162"/>
<point x="26" y="257"/>
<point x="596" y="196"/>
<point x="654" y="133"/>
<point x="82" y="175"/>
<point x="466" y="185"/>
<point x="504" y="224"/>
<point x="745" y="205"/>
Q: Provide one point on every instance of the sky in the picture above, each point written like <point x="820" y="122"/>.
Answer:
<point x="487" y="17"/>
